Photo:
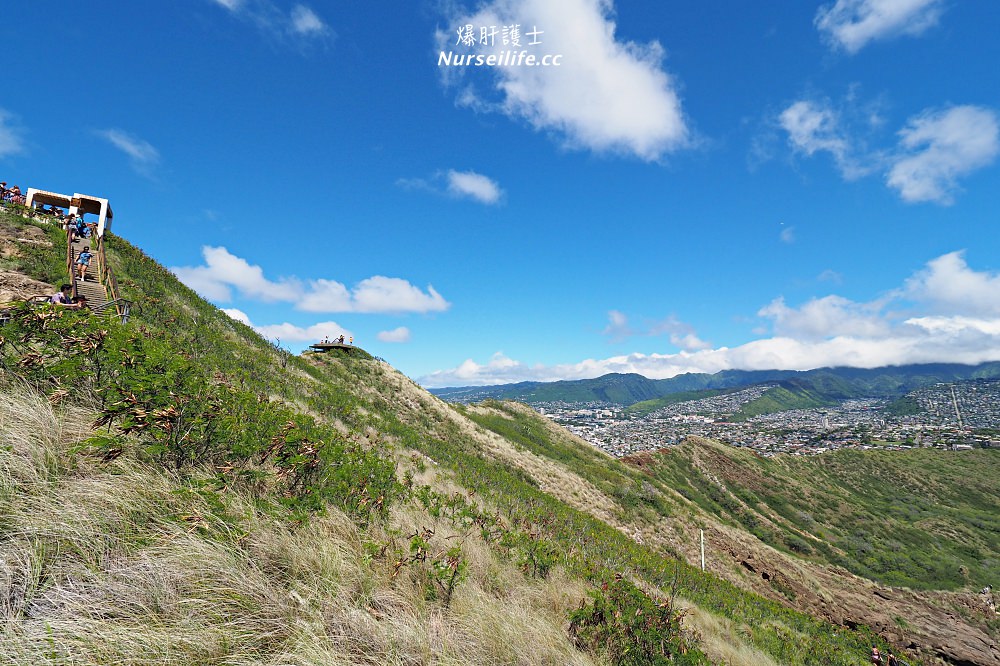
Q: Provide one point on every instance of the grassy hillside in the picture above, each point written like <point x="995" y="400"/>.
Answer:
<point x="923" y="519"/>
<point x="197" y="495"/>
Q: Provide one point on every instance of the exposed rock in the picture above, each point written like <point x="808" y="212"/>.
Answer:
<point x="17" y="287"/>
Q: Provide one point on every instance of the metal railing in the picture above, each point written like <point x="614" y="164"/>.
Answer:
<point x="121" y="307"/>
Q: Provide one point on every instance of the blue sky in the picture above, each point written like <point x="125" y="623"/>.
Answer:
<point x="682" y="187"/>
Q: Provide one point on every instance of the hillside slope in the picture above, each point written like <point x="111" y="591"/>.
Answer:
<point x="213" y="442"/>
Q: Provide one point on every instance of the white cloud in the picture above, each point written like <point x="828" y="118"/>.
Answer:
<point x="371" y="295"/>
<point x="937" y="147"/>
<point x="305" y="22"/>
<point x="291" y="333"/>
<point x="10" y="135"/>
<point x="238" y="315"/>
<point x="385" y="294"/>
<point x="680" y="334"/>
<point x="474" y="186"/>
<point x="948" y="285"/>
<point x="852" y="24"/>
<point x="830" y="275"/>
<point x="826" y="317"/>
<point x="142" y="155"/>
<point x="287" y="332"/>
<point x="298" y="24"/>
<point x="953" y="316"/>
<point x="457" y="184"/>
<point x="618" y="328"/>
<point x="814" y="127"/>
<point x="606" y="95"/>
<point x="223" y="272"/>
<point x="401" y="334"/>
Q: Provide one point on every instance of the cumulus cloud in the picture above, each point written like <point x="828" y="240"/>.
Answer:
<point x="952" y="315"/>
<point x="474" y="186"/>
<point x="142" y="155"/>
<point x="287" y="332"/>
<point x="936" y="147"/>
<point x="948" y="285"/>
<point x="10" y="135"/>
<point x="606" y="95"/>
<point x="385" y="294"/>
<point x="825" y="317"/>
<point x="238" y="315"/>
<point x="224" y="272"/>
<point x="681" y="335"/>
<point x="939" y="146"/>
<point x="814" y="127"/>
<point x="852" y="24"/>
<point x="396" y="335"/>
<point x="291" y="333"/>
<point x="457" y="184"/>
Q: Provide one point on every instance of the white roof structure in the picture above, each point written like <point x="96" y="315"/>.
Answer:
<point x="76" y="204"/>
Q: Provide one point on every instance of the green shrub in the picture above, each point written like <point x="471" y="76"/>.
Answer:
<point x="629" y="628"/>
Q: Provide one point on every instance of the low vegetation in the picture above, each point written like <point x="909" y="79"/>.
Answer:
<point x="923" y="518"/>
<point x="180" y="490"/>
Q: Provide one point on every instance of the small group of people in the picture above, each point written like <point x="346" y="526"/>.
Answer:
<point x="64" y="298"/>
<point x="889" y="659"/>
<point x="337" y="341"/>
<point x="11" y="194"/>
<point x="51" y="211"/>
<point x="77" y="225"/>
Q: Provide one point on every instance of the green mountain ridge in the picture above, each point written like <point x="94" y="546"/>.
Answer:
<point x="796" y="389"/>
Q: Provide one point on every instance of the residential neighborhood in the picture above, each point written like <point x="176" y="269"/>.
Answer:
<point x="955" y="416"/>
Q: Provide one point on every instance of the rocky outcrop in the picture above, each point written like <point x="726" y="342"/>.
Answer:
<point x="17" y="287"/>
<point x="933" y="626"/>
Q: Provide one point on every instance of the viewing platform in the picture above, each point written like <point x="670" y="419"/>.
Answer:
<point x="347" y="348"/>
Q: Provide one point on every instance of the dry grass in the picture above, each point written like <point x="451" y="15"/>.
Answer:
<point x="124" y="564"/>
<point x="720" y="639"/>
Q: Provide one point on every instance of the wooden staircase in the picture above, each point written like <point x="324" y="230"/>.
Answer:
<point x="91" y="287"/>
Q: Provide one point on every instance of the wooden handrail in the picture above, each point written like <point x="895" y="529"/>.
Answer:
<point x="107" y="277"/>
<point x="69" y="260"/>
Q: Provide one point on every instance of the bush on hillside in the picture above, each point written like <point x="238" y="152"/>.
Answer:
<point x="168" y="407"/>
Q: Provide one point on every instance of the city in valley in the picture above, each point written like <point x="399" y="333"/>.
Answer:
<point x="955" y="416"/>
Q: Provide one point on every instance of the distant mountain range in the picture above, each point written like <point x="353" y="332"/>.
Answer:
<point x="794" y="390"/>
